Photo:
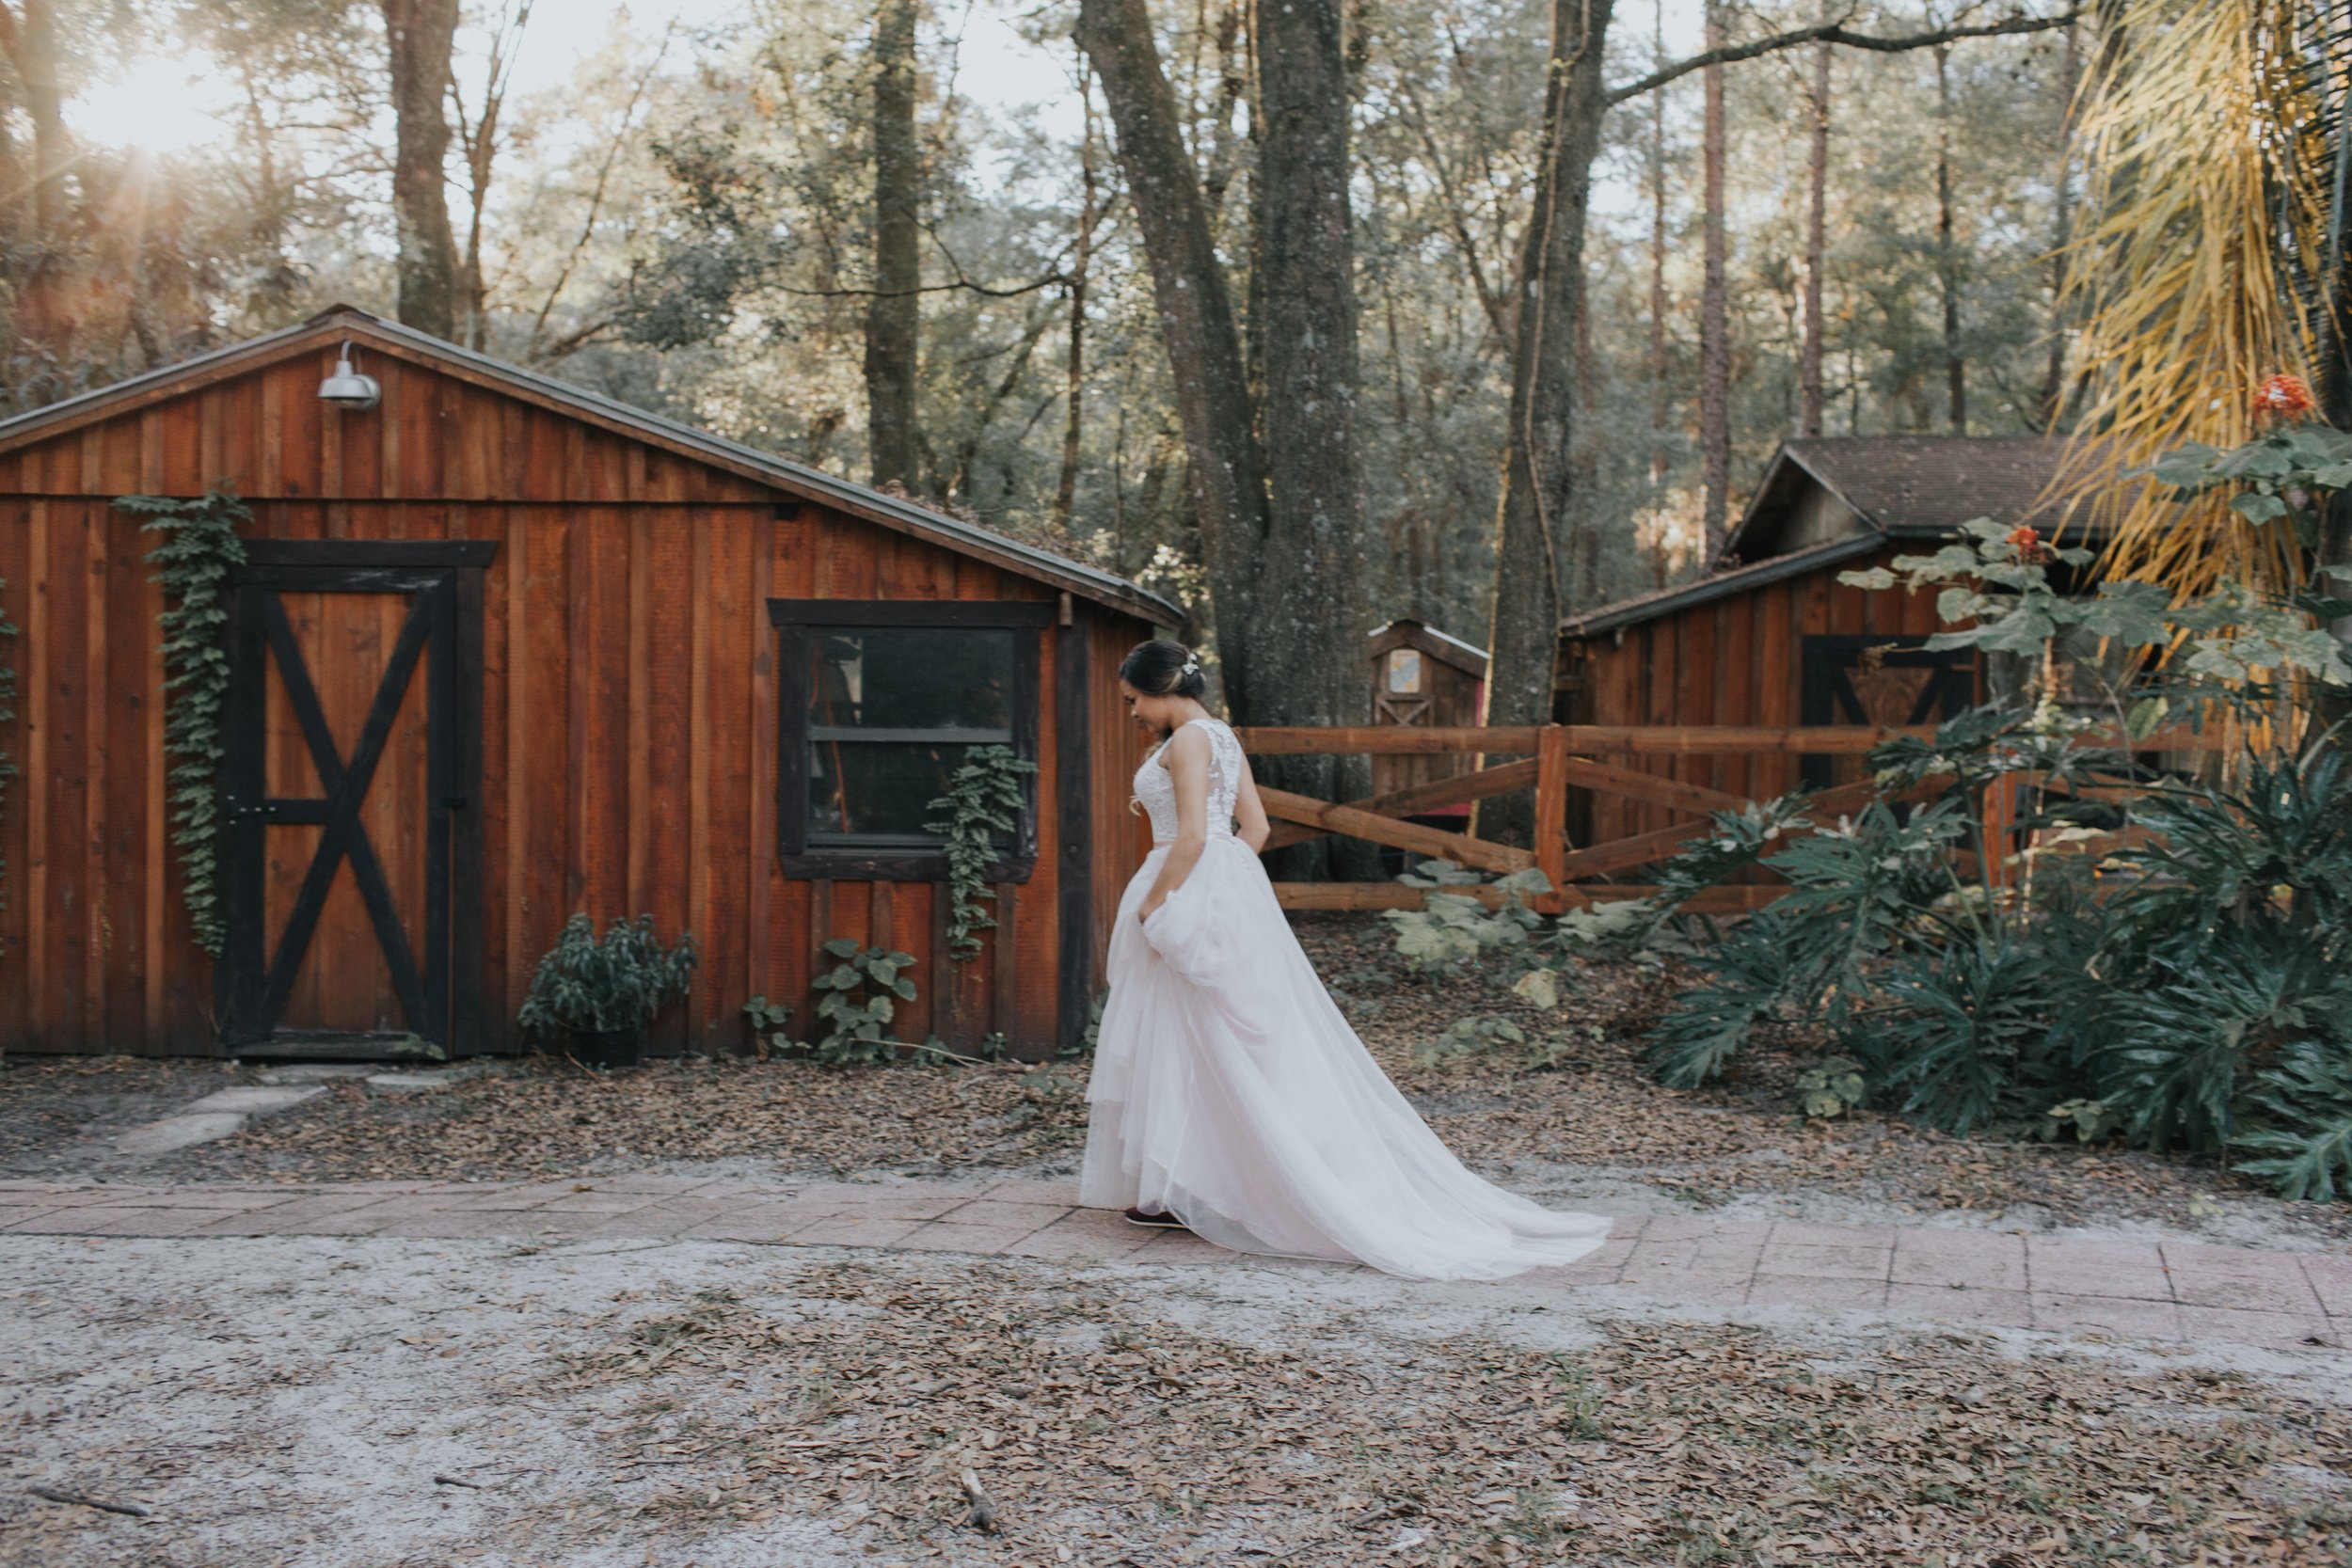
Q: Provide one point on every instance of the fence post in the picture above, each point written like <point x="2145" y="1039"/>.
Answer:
<point x="1551" y="813"/>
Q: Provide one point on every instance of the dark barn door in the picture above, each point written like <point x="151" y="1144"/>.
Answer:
<point x="350" y="850"/>
<point x="1880" y="681"/>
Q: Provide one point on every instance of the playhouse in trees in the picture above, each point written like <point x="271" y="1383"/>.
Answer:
<point x="499" y="650"/>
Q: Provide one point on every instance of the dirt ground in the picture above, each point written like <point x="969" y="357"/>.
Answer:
<point x="383" y="1404"/>
<point x="1595" y="1127"/>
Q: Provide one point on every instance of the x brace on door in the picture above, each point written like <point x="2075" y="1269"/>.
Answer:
<point x="262" y="990"/>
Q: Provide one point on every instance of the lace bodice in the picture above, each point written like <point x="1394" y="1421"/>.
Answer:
<point x="1157" y="788"/>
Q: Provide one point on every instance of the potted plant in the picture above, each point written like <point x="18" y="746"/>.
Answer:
<point x="603" y="993"/>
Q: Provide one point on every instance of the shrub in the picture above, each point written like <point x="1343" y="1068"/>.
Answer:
<point x="2182" y="983"/>
<point x="617" y="983"/>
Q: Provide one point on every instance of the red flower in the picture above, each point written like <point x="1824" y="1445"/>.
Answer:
<point x="2286" y="396"/>
<point x="2028" y="543"/>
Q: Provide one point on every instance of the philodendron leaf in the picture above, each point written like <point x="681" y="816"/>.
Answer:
<point x="1540" y="987"/>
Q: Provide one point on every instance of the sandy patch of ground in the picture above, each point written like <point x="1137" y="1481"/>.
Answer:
<point x="292" y="1401"/>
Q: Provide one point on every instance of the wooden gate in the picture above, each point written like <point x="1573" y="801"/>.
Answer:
<point x="350" y="852"/>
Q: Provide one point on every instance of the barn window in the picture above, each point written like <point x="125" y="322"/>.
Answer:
<point x="880" y="702"/>
<point x="1405" y="671"/>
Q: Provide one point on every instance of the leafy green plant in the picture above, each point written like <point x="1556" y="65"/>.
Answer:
<point x="2091" y="1121"/>
<point x="2299" y="1120"/>
<point x="196" y="548"/>
<point x="769" y="1023"/>
<point x="1830" y="1087"/>
<point x="1454" y="927"/>
<point x="619" y="982"/>
<point x="1082" y="1047"/>
<point x="1469" y="1037"/>
<point x="859" y="999"/>
<point x="2178" y="984"/>
<point x="983" y="802"/>
<point x="1960" y="1036"/>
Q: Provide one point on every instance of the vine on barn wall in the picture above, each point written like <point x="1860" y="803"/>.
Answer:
<point x="984" y="799"/>
<point x="193" y="557"/>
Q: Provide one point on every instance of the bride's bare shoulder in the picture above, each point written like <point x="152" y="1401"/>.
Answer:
<point x="1188" y="743"/>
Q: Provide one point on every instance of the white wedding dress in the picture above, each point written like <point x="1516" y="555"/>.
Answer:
<point x="1228" y="1090"/>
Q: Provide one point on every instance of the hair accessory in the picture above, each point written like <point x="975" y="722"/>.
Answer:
<point x="1192" y="667"/>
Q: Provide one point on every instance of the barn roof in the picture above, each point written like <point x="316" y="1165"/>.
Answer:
<point x="1904" y="486"/>
<point x="343" y="322"/>
<point x="1739" y="579"/>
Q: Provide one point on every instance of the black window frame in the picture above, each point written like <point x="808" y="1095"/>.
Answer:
<point x="796" y="622"/>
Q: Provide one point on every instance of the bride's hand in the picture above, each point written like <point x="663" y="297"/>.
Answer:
<point x="1144" y="913"/>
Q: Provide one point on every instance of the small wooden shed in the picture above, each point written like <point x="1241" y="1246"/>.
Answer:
<point x="1771" y="638"/>
<point x="502" y="650"/>
<point x="1420" y="675"/>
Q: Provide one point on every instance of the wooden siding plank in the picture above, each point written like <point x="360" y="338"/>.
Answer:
<point x="1070" y="822"/>
<point x="17" y="598"/>
<point x="640" y="641"/>
<point x="786" y="568"/>
<point x="737" y="861"/>
<point x="715" y="941"/>
<point x="540" y="792"/>
<point x="62" y="774"/>
<point x="1701" y="676"/>
<point x="110" y="1025"/>
<point x="1736" y="695"/>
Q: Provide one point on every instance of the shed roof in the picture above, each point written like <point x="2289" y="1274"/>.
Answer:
<point x="342" y="322"/>
<point x="1904" y="486"/>
<point x="1642" y="607"/>
<point x="1438" y="645"/>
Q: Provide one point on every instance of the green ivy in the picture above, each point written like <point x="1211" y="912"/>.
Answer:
<point x="983" y="799"/>
<point x="861" y="995"/>
<point x="8" y="768"/>
<point x="193" y="557"/>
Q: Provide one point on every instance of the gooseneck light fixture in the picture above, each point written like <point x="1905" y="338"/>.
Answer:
<point x="347" y="389"/>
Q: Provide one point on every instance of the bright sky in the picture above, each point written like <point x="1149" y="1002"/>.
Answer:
<point x="167" y="103"/>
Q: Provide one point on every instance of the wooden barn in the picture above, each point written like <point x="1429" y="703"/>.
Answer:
<point x="1770" y="636"/>
<point x="502" y="650"/>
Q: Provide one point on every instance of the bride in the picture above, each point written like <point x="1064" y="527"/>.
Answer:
<point x="1229" y="1094"/>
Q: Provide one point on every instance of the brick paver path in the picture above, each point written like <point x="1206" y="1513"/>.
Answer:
<point x="2151" y="1291"/>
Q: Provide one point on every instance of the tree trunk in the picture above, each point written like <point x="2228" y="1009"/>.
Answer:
<point x="894" y="314"/>
<point x="1313" y="609"/>
<point x="1714" y="313"/>
<point x="1075" y="362"/>
<point x="420" y="33"/>
<point x="1538" y="471"/>
<point x="1196" y="318"/>
<point x="1281" y="542"/>
<point x="1658" y="300"/>
<point x="1815" y="249"/>
<point x="2062" y="231"/>
<point x="1947" y="253"/>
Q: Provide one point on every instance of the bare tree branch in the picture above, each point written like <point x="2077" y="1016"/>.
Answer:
<point x="1836" y="32"/>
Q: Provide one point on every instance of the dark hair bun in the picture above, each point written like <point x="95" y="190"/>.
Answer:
<point x="1163" y="669"/>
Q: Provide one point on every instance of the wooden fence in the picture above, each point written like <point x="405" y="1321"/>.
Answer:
<point x="1566" y="756"/>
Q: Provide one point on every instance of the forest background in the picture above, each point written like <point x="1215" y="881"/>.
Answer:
<point x="934" y="246"/>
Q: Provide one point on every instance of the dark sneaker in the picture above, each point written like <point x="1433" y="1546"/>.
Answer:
<point x="1154" y="1219"/>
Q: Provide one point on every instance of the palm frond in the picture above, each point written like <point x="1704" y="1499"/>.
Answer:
<point x="2209" y="153"/>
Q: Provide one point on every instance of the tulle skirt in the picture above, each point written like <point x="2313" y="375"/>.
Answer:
<point x="1228" y="1090"/>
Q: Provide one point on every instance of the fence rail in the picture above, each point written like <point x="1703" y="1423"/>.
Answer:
<point x="1564" y="757"/>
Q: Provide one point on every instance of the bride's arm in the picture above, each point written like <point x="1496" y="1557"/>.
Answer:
<point x="1188" y="759"/>
<point x="1249" y="813"/>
